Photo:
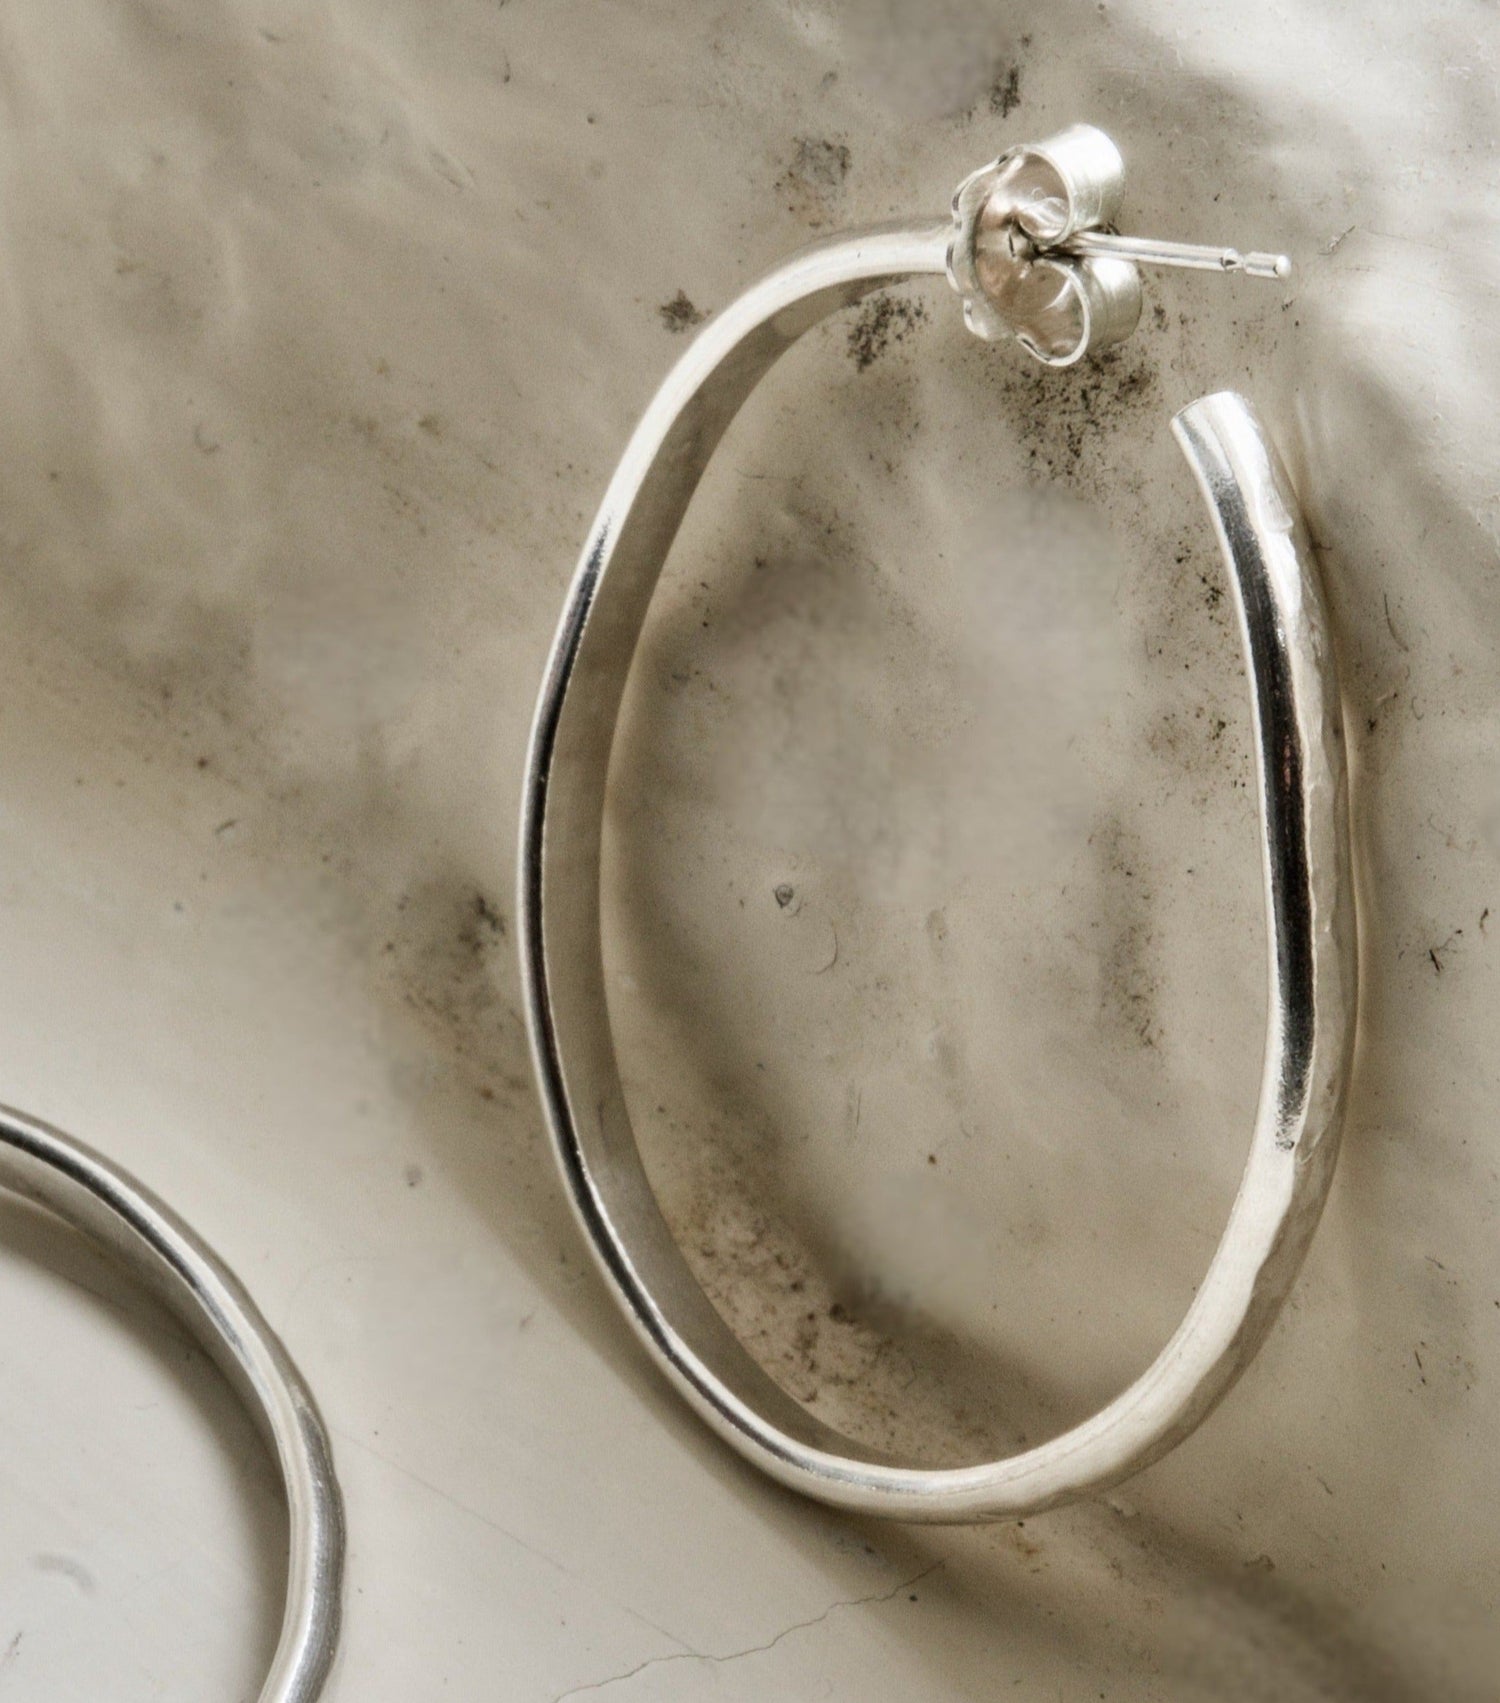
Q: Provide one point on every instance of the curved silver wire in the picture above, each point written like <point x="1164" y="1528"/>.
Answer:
<point x="96" y="1197"/>
<point x="1309" y="909"/>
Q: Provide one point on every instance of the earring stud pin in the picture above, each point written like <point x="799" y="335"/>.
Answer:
<point x="1193" y="257"/>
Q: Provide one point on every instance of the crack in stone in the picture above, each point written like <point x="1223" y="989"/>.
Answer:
<point x="786" y="1632"/>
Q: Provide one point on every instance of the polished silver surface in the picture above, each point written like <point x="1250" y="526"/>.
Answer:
<point x="87" y="1191"/>
<point x="1300" y="767"/>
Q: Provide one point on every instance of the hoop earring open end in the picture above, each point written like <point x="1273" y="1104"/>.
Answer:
<point x="1309" y="910"/>
<point x="97" y="1198"/>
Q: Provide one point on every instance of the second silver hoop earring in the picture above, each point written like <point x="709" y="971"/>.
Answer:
<point x="1031" y="251"/>
<point x="83" y="1189"/>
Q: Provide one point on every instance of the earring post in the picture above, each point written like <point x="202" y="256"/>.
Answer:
<point x="1196" y="257"/>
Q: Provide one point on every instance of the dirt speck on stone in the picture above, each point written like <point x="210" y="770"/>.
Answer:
<point x="1064" y="425"/>
<point x="812" y="182"/>
<point x="680" y="314"/>
<point x="1005" y="95"/>
<point x="885" y="320"/>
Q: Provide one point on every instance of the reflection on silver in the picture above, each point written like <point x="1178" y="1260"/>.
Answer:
<point x="97" y="1198"/>
<point x="1303" y="815"/>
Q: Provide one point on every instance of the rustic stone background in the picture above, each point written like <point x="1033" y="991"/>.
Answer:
<point x="935" y="942"/>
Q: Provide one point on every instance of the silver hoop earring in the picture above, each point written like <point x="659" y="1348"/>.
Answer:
<point x="83" y="1189"/>
<point x="1030" y="251"/>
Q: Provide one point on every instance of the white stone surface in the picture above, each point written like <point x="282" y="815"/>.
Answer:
<point x="322" y="329"/>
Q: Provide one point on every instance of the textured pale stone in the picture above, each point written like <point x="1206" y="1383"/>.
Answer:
<point x="935" y="935"/>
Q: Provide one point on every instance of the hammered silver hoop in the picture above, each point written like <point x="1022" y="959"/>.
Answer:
<point x="86" y="1191"/>
<point x="1308" y="898"/>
